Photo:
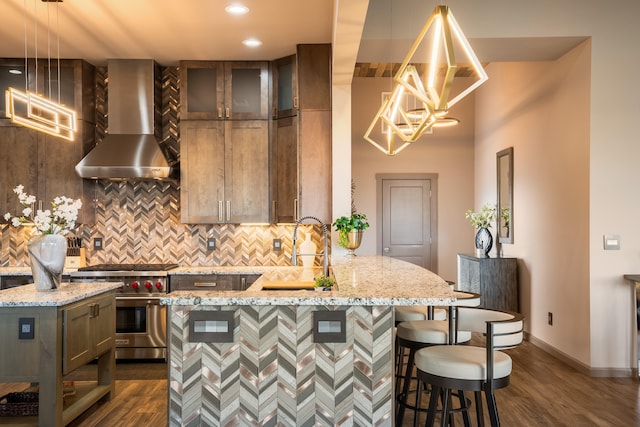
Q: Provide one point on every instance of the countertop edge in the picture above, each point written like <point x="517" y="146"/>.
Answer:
<point x="28" y="296"/>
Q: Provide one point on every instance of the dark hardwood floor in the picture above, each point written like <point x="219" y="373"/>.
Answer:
<point x="543" y="392"/>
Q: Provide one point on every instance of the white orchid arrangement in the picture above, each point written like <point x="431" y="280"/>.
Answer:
<point x="58" y="220"/>
<point x="484" y="218"/>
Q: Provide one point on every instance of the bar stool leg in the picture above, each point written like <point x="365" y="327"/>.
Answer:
<point x="433" y="404"/>
<point x="402" y="399"/>
<point x="479" y="413"/>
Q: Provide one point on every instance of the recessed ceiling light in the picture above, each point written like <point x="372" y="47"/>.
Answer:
<point x="252" y="42"/>
<point x="236" y="9"/>
<point x="15" y="71"/>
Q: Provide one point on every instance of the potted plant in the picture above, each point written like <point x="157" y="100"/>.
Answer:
<point x="481" y="221"/>
<point x="350" y="230"/>
<point x="324" y="283"/>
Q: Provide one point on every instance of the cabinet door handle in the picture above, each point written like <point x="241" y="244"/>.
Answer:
<point x="220" y="214"/>
<point x="219" y="112"/>
<point x="227" y="112"/>
<point x="295" y="102"/>
<point x="206" y="284"/>
<point x="295" y="210"/>
<point x="274" y="211"/>
<point x="94" y="310"/>
<point x="228" y="210"/>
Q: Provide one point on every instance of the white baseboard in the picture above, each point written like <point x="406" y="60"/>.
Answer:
<point x="578" y="365"/>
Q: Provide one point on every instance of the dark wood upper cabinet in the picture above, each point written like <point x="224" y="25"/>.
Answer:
<point x="302" y="141"/>
<point x="213" y="90"/>
<point x="285" y="87"/>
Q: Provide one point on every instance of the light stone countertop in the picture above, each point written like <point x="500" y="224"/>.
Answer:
<point x="24" y="271"/>
<point x="28" y="296"/>
<point x="15" y="271"/>
<point x="361" y="280"/>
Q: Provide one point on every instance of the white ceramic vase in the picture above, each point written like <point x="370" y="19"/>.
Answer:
<point x="47" y="253"/>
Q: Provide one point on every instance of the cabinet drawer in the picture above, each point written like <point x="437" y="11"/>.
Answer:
<point x="201" y="282"/>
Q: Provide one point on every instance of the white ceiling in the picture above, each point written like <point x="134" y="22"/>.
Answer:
<point x="164" y="30"/>
<point x="171" y="30"/>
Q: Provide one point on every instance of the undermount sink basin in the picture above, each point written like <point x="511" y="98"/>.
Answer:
<point x="288" y="285"/>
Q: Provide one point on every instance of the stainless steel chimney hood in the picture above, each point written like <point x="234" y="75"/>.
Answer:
<point x="130" y="150"/>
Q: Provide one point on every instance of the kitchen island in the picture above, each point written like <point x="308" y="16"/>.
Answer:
<point x="47" y="334"/>
<point x="293" y="357"/>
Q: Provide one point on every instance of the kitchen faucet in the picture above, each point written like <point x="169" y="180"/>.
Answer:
<point x="325" y="251"/>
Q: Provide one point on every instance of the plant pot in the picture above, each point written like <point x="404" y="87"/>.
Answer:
<point x="354" y="238"/>
<point x="47" y="254"/>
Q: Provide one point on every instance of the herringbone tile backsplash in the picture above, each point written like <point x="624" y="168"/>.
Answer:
<point x="139" y="222"/>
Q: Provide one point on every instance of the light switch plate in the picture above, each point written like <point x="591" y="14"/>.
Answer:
<point x="611" y="242"/>
<point x="277" y="245"/>
<point x="97" y="244"/>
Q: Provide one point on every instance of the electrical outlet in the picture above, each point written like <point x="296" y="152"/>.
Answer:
<point x="277" y="245"/>
<point x="97" y="244"/>
<point x="211" y="243"/>
<point x="26" y="329"/>
<point x="550" y="318"/>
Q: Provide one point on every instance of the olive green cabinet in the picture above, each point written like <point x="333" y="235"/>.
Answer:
<point x="302" y="136"/>
<point x="63" y="338"/>
<point x="88" y="332"/>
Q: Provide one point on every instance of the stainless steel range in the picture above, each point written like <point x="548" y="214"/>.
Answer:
<point x="141" y="322"/>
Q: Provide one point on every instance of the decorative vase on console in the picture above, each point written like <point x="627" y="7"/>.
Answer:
<point x="481" y="221"/>
<point x="484" y="241"/>
<point x="48" y="247"/>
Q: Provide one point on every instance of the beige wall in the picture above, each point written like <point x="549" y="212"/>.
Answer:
<point x="541" y="109"/>
<point x="613" y="180"/>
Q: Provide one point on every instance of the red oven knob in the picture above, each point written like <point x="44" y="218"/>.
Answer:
<point x="159" y="286"/>
<point x="135" y="285"/>
<point x="148" y="285"/>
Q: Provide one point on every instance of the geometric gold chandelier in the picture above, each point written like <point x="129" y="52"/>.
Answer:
<point x="405" y="114"/>
<point x="427" y="75"/>
<point x="33" y="110"/>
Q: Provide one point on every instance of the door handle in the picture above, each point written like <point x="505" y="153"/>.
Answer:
<point x="386" y="250"/>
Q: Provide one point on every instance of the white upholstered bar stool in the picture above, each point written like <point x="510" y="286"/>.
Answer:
<point x="414" y="335"/>
<point x="460" y="368"/>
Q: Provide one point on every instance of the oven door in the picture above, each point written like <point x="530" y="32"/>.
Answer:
<point x="141" y="328"/>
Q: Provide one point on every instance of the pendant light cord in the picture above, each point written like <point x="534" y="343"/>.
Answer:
<point x="26" y="63"/>
<point x="35" y="25"/>
<point x="58" y="45"/>
<point x="49" y="47"/>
